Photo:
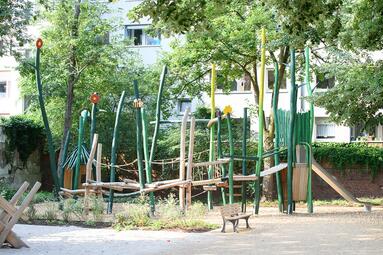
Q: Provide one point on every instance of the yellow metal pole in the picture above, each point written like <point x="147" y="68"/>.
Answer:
<point x="212" y="130"/>
<point x="260" y="122"/>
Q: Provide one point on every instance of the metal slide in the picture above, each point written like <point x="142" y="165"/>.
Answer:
<point x="337" y="186"/>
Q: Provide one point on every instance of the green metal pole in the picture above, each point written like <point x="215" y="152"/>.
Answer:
<point x="244" y="155"/>
<point x="48" y="133"/>
<point x="138" y="105"/>
<point x="231" y="163"/>
<point x="148" y="165"/>
<point x="65" y="152"/>
<point x="212" y="131"/>
<point x="309" y="156"/>
<point x="276" y="143"/>
<point x="158" y="113"/>
<point x="219" y="152"/>
<point x="257" y="197"/>
<point x="290" y="140"/>
<point x="114" y="149"/>
<point x="84" y="115"/>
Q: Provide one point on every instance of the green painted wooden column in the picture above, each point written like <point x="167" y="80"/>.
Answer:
<point x="148" y="165"/>
<point x="276" y="139"/>
<point x="257" y="183"/>
<point x="244" y="155"/>
<point x="219" y="153"/>
<point x="93" y="121"/>
<point x="65" y="152"/>
<point x="290" y="140"/>
<point x="83" y="116"/>
<point x="137" y="105"/>
<point x="158" y="113"/>
<point x="311" y="127"/>
<point x="113" y="156"/>
<point x="231" y="162"/>
<point x="212" y="131"/>
<point x="48" y="133"/>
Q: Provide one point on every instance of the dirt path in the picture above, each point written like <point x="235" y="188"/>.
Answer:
<point x="331" y="230"/>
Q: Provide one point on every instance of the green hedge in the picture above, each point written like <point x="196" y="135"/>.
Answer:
<point x="344" y="155"/>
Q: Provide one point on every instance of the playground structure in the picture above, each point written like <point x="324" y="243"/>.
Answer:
<point x="293" y="134"/>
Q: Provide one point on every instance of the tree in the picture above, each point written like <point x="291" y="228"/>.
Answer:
<point x="227" y="33"/>
<point x="359" y="78"/>
<point x="14" y="18"/>
<point x="82" y="54"/>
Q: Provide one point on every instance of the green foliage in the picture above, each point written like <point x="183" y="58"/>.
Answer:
<point x="6" y="191"/>
<point x="14" y="18"/>
<point x="343" y="155"/>
<point x="168" y="216"/>
<point x="23" y="135"/>
<point x="43" y="196"/>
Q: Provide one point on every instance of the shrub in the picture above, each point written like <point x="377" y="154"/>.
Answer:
<point x="6" y="191"/>
<point x="23" y="135"/>
<point x="51" y="211"/>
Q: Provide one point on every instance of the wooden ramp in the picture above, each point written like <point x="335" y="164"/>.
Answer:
<point x="274" y="169"/>
<point x="337" y="186"/>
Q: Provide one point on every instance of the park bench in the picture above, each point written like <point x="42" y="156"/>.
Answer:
<point x="232" y="213"/>
<point x="10" y="214"/>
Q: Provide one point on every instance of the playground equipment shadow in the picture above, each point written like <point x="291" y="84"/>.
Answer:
<point x="331" y="230"/>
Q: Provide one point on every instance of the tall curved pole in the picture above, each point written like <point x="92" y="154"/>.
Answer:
<point x="212" y="130"/>
<point x="48" y="133"/>
<point x="290" y="140"/>
<point x="309" y="156"/>
<point x="137" y="105"/>
<point x="260" y="123"/>
<point x="276" y="144"/>
<point x="114" y="149"/>
<point x="244" y="155"/>
<point x="158" y="113"/>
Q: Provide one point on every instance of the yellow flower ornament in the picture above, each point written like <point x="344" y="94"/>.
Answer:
<point x="227" y="109"/>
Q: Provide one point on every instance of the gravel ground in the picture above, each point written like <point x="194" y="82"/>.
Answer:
<point x="331" y="230"/>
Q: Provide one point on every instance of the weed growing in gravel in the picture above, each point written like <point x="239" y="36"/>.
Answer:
<point x="51" y="211"/>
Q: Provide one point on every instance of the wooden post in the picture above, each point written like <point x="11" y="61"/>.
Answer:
<point x="219" y="152"/>
<point x="190" y="161"/>
<point x="88" y="171"/>
<point x="182" y="157"/>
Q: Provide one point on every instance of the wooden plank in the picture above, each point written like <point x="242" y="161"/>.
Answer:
<point x="88" y="171"/>
<point x="239" y="178"/>
<point x="182" y="157"/>
<point x="15" y="216"/>
<point x="212" y="188"/>
<point x="300" y="182"/>
<point x="205" y="182"/>
<point x="211" y="163"/>
<point x="274" y="169"/>
<point x="98" y="165"/>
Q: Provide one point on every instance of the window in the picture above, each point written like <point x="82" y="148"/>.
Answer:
<point x="183" y="104"/>
<point x="271" y="80"/>
<point x="245" y="83"/>
<point x="3" y="88"/>
<point x="325" y="130"/>
<point x="137" y="34"/>
<point x="324" y="82"/>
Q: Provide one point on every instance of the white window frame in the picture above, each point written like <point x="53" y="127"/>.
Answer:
<point x="145" y="36"/>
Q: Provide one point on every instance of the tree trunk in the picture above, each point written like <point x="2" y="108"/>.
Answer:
<point x="72" y="79"/>
<point x="268" y="183"/>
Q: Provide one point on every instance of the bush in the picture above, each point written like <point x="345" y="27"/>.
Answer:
<point x="6" y="191"/>
<point x="343" y="155"/>
<point x="23" y="135"/>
